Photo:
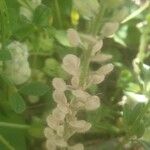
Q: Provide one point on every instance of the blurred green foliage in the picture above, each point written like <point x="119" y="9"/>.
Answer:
<point x="43" y="27"/>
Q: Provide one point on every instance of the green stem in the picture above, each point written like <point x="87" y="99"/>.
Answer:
<point x="6" y="143"/>
<point x="58" y="13"/>
<point x="85" y="67"/>
<point x="95" y="28"/>
<point x="12" y="125"/>
<point x="97" y="23"/>
<point x="4" y="23"/>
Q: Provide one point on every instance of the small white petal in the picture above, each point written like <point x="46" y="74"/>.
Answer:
<point x="57" y="113"/>
<point x="101" y="58"/>
<point x="48" y="132"/>
<point x="64" y="108"/>
<point x="109" y="28"/>
<point x="75" y="81"/>
<point x="92" y="103"/>
<point x="52" y="122"/>
<point x="59" y="84"/>
<point x="80" y="125"/>
<point x="50" y="145"/>
<point x="60" y="131"/>
<point x="97" y="47"/>
<point x="60" y="142"/>
<point x="71" y="64"/>
<point x="73" y="37"/>
<point x="96" y="79"/>
<point x="59" y="97"/>
<point x="82" y="95"/>
<point x="106" y="69"/>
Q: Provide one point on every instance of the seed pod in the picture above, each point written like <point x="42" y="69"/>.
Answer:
<point x="71" y="64"/>
<point x="75" y="81"/>
<point x="92" y="103"/>
<point x="80" y="126"/>
<point x="57" y="113"/>
<point x="109" y="28"/>
<point x="104" y="70"/>
<point x="97" y="47"/>
<point x="81" y="95"/>
<point x="100" y="58"/>
<point x="96" y="79"/>
<point x="59" y="97"/>
<point x="73" y="37"/>
<point x="59" y="84"/>
<point x="53" y="122"/>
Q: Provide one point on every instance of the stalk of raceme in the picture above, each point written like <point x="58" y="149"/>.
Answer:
<point x="73" y="96"/>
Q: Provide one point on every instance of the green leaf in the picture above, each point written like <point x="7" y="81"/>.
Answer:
<point x="15" y="137"/>
<point x="4" y="21"/>
<point x="24" y="30"/>
<point x="126" y="115"/>
<point x="61" y="37"/>
<point x="17" y="103"/>
<point x="133" y="119"/>
<point x="138" y="112"/>
<point x="138" y="129"/>
<point x="35" y="88"/>
<point x="5" y="55"/>
<point x="5" y="79"/>
<point x="42" y="16"/>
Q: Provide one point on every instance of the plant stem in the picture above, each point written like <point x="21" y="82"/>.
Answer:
<point x="95" y="28"/>
<point x="85" y="67"/>
<point x="6" y="143"/>
<point x="12" y="125"/>
<point x="58" y="13"/>
<point x="97" y="23"/>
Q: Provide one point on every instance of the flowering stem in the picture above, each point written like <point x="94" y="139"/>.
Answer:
<point x="85" y="67"/>
<point x="95" y="28"/>
<point x="97" y="23"/>
<point x="6" y="143"/>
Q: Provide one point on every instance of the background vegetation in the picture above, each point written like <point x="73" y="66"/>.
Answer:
<point x="40" y="27"/>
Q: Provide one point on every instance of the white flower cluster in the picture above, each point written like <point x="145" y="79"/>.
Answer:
<point x="63" y="121"/>
<point x="17" y="69"/>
